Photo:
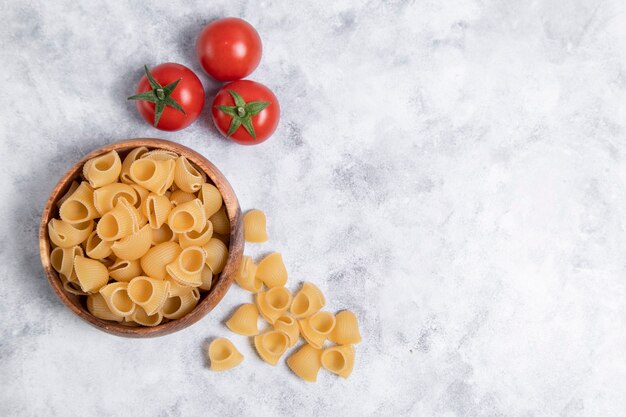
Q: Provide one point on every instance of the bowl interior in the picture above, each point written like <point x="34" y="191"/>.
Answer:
<point x="208" y="300"/>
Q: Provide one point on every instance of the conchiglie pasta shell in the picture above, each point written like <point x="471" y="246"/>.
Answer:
<point x="271" y="270"/>
<point x="187" y="268"/>
<point x="307" y="301"/>
<point x="223" y="355"/>
<point x="179" y="197"/>
<point x="254" y="226"/>
<point x="157" y="258"/>
<point x="289" y="325"/>
<point x="141" y="317"/>
<point x="211" y="199"/>
<point x="346" y="331"/>
<point x="97" y="248"/>
<point x="163" y="234"/>
<point x="186" y="176"/>
<point x="273" y="303"/>
<point x="246" y="276"/>
<point x="128" y="161"/>
<point x="339" y="360"/>
<point x="103" y="169"/>
<point x="316" y="329"/>
<point x="206" y="276"/>
<point x="66" y="235"/>
<point x="105" y="198"/>
<point x="271" y="345"/>
<point x="216" y="255"/>
<point x="176" y="288"/>
<point x="122" y="221"/>
<point x="244" y="320"/>
<point x="221" y="224"/>
<point x="79" y="207"/>
<point x="306" y="362"/>
<point x="154" y="175"/>
<point x="62" y="261"/>
<point x="187" y="217"/>
<point x="156" y="208"/>
<point x="148" y="293"/>
<point x="194" y="238"/>
<point x="97" y="306"/>
<point x="125" y="270"/>
<point x="116" y="297"/>
<point x="178" y="306"/>
<point x="68" y="193"/>
<point x="142" y="194"/>
<point x="91" y="274"/>
<point x="160" y="155"/>
<point x="134" y="246"/>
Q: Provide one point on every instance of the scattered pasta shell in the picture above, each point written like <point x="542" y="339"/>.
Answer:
<point x="122" y="221"/>
<point x="128" y="161"/>
<point x="134" y="246"/>
<point x="116" y="297"/>
<point x="154" y="175"/>
<point x="306" y="362"/>
<point x="156" y="208"/>
<point x="211" y="199"/>
<point x="125" y="270"/>
<point x="98" y="307"/>
<point x="339" y="360"/>
<point x="148" y="293"/>
<point x="221" y="223"/>
<point x="91" y="274"/>
<point x="254" y="226"/>
<point x="316" y="329"/>
<point x="244" y="320"/>
<point x="156" y="259"/>
<point x="187" y="268"/>
<point x="308" y="301"/>
<point x="194" y="238"/>
<point x="290" y="326"/>
<point x="271" y="345"/>
<point x="79" y="207"/>
<point x="179" y="197"/>
<point x="223" y="355"/>
<point x="105" y="198"/>
<point x="178" y="306"/>
<point x="186" y="176"/>
<point x="97" y="248"/>
<point x="66" y="235"/>
<point x="206" y="276"/>
<point x="273" y="303"/>
<point x="271" y="270"/>
<point x="216" y="255"/>
<point x="187" y="217"/>
<point x="140" y="316"/>
<point x="346" y="331"/>
<point x="103" y="169"/>
<point x="245" y="276"/>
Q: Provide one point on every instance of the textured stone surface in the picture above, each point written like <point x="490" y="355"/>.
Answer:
<point x="451" y="171"/>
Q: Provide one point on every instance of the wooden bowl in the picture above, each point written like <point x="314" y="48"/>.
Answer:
<point x="221" y="283"/>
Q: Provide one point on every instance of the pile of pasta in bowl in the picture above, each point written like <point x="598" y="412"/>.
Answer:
<point x="140" y="238"/>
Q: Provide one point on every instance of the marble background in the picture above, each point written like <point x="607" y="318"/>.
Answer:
<point x="453" y="171"/>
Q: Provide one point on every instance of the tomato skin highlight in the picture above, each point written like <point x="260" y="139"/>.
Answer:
<point x="189" y="93"/>
<point x="265" y="123"/>
<point x="229" y="49"/>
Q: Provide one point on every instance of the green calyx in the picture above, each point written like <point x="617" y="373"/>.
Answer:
<point x="242" y="113"/>
<point x="159" y="95"/>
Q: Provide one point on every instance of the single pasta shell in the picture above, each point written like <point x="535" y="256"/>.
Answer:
<point x="79" y="207"/>
<point x="346" y="331"/>
<point x="156" y="208"/>
<point x="148" y="293"/>
<point x="306" y="362"/>
<point x="128" y="161"/>
<point x="103" y="169"/>
<point x="273" y="303"/>
<point x="316" y="329"/>
<point x="187" y="217"/>
<point x="223" y="355"/>
<point x="245" y="276"/>
<point x="178" y="306"/>
<point x="307" y="301"/>
<point x="216" y="255"/>
<point x="271" y="345"/>
<point x="97" y="248"/>
<point x="141" y="317"/>
<point x="66" y="235"/>
<point x="134" y="246"/>
<point x="254" y="226"/>
<point x="92" y="275"/>
<point x="186" y="176"/>
<point x="62" y="261"/>
<point x="154" y="175"/>
<point x="271" y="270"/>
<point x="244" y="320"/>
<point x="221" y="223"/>
<point x="160" y="155"/>
<point x="176" y="288"/>
<point x="106" y="197"/>
<point x="155" y="260"/>
<point x="124" y="270"/>
<point x="194" y="238"/>
<point x="117" y="299"/>
<point x="211" y="199"/>
<point x="290" y="326"/>
<point x="187" y="268"/>
<point x="69" y="192"/>
<point x="339" y="360"/>
<point x="207" y="278"/>
<point x="97" y="306"/>
<point x="122" y="221"/>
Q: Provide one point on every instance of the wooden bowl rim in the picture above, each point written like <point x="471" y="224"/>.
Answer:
<point x="218" y="290"/>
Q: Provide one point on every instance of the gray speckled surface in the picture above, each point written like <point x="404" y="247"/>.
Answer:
<point x="452" y="171"/>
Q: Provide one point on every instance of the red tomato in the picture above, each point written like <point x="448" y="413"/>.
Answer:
<point x="187" y="95"/>
<point x="229" y="49"/>
<point x="250" y="121"/>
